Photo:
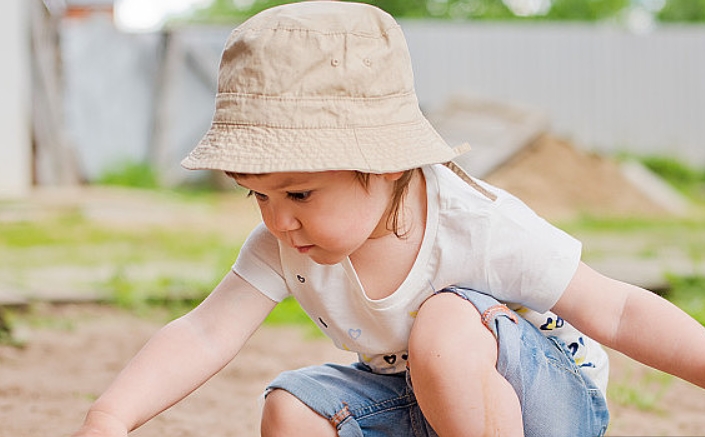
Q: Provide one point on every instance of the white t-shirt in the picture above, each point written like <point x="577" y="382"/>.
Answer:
<point x="499" y="247"/>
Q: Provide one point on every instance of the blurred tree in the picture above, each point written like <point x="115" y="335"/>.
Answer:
<point x="479" y="9"/>
<point x="402" y="8"/>
<point x="585" y="10"/>
<point x="398" y="8"/>
<point x="218" y="11"/>
<point x="683" y="10"/>
<point x="575" y="10"/>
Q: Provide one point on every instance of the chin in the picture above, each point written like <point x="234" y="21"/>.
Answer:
<point x="327" y="260"/>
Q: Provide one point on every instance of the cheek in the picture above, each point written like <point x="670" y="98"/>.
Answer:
<point x="332" y="229"/>
<point x="335" y="227"/>
<point x="355" y="219"/>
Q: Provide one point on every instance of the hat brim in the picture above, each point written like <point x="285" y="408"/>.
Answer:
<point x="261" y="149"/>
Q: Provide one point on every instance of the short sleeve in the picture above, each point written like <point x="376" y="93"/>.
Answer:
<point x="259" y="263"/>
<point x="529" y="260"/>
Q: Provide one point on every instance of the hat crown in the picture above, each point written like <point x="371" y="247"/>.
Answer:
<point x="317" y="49"/>
<point x="316" y="86"/>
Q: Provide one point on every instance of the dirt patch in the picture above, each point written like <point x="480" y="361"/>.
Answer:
<point x="47" y="386"/>
<point x="561" y="182"/>
<point x="73" y="351"/>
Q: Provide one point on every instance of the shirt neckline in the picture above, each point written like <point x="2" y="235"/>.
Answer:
<point x="414" y="279"/>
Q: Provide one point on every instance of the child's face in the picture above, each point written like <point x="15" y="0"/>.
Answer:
<point x="325" y="215"/>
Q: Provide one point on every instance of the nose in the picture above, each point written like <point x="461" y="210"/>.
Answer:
<point x="282" y="219"/>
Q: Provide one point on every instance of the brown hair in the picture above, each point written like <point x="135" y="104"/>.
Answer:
<point x="401" y="187"/>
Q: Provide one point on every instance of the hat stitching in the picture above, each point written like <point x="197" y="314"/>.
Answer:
<point x="316" y="98"/>
<point x="382" y="33"/>
<point x="282" y="126"/>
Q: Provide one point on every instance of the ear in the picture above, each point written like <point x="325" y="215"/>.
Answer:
<point x="391" y="177"/>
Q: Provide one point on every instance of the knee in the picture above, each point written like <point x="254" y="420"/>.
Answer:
<point x="285" y="415"/>
<point x="279" y="407"/>
<point x="448" y="330"/>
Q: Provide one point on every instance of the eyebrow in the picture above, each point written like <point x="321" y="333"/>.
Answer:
<point x="282" y="185"/>
<point x="287" y="183"/>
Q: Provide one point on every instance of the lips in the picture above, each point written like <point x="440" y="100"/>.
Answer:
<point x="304" y="249"/>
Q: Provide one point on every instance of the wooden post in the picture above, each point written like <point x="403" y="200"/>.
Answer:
<point x="55" y="161"/>
<point x="15" y="138"/>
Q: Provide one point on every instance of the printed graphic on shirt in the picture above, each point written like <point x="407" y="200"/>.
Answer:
<point x="552" y="325"/>
<point x="392" y="359"/>
<point x="387" y="363"/>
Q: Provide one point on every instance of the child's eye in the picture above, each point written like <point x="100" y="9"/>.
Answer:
<point x="299" y="195"/>
<point x="258" y="196"/>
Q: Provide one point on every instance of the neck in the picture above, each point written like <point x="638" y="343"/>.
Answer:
<point x="380" y="279"/>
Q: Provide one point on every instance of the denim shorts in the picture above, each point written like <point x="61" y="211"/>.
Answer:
<point x="557" y="399"/>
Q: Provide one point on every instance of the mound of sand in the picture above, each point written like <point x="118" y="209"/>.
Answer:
<point x="513" y="148"/>
<point x="561" y="182"/>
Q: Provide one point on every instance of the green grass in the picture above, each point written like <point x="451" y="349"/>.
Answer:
<point x="137" y="266"/>
<point x="130" y="173"/>
<point x="640" y="237"/>
<point x="688" y="293"/>
<point x="71" y="240"/>
<point x="6" y="329"/>
<point x="72" y="237"/>
<point x="289" y="312"/>
<point x="175" y="296"/>
<point x="634" y="224"/>
<point x="687" y="179"/>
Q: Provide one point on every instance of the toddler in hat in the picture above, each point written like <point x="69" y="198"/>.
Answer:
<point x="470" y="315"/>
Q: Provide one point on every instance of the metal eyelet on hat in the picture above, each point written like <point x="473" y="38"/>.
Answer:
<point x="367" y="62"/>
<point x="334" y="62"/>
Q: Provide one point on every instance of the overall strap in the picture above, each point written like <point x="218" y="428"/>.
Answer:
<point x="467" y="178"/>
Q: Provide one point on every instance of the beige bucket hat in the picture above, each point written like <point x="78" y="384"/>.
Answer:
<point x="315" y="86"/>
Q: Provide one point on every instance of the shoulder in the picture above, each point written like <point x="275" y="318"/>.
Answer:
<point x="480" y="198"/>
<point x="261" y="239"/>
<point x="453" y="195"/>
<point x="259" y="263"/>
<point x="260" y="248"/>
<point x="516" y="250"/>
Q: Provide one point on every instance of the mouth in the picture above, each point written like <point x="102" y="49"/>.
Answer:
<point x="304" y="249"/>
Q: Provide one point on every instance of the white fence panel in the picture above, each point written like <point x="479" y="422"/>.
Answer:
<point x="605" y="88"/>
<point x="15" y="127"/>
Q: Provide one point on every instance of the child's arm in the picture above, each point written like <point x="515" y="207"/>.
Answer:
<point x="635" y="322"/>
<point x="179" y="358"/>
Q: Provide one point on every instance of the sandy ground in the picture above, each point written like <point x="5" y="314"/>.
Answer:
<point x="71" y="353"/>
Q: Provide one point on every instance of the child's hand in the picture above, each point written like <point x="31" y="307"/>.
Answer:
<point x="100" y="424"/>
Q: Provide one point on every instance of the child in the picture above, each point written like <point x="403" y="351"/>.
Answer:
<point x="395" y="256"/>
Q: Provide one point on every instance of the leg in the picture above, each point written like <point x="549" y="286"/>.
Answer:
<point x="452" y="360"/>
<point x="351" y="400"/>
<point x="285" y="416"/>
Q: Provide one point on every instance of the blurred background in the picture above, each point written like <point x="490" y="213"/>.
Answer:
<point x="93" y="85"/>
<point x="591" y="111"/>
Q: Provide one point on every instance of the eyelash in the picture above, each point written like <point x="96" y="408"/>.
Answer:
<point x="256" y="195"/>
<point x="299" y="196"/>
